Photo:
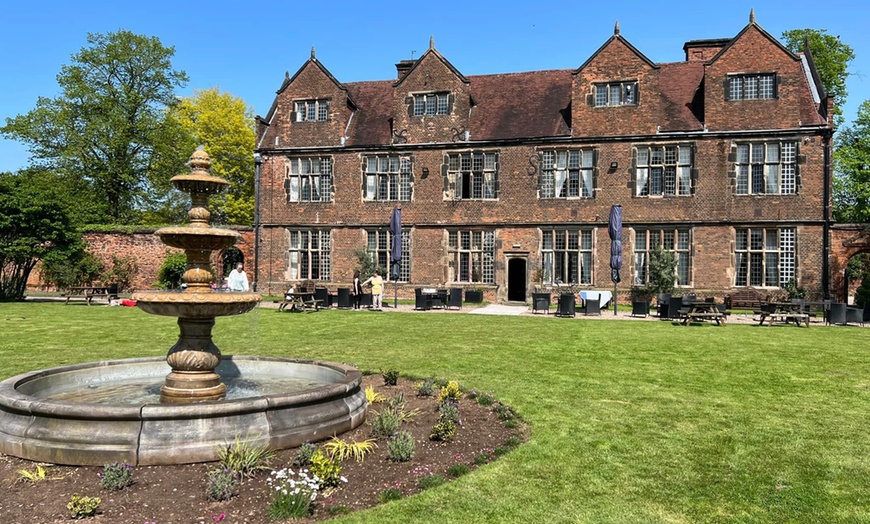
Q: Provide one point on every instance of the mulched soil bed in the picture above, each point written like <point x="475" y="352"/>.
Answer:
<point x="178" y="494"/>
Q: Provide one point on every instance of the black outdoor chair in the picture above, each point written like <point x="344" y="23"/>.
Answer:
<point x="639" y="308"/>
<point x="541" y="302"/>
<point x="321" y="296"/>
<point x="837" y="314"/>
<point x="343" y="298"/>
<point x="855" y="314"/>
<point x="675" y="304"/>
<point x="662" y="300"/>
<point x="455" y="298"/>
<point x="566" y="306"/>
<point x="593" y="307"/>
<point x="421" y="301"/>
<point x="441" y="300"/>
<point x="367" y="300"/>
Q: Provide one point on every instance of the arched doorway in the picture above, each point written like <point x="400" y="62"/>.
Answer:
<point x="229" y="258"/>
<point x="517" y="279"/>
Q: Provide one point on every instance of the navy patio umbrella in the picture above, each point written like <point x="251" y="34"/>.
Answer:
<point x="614" y="229"/>
<point x="396" y="250"/>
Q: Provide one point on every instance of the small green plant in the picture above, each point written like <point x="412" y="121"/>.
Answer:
<point x="83" y="507"/>
<point x="483" y="458"/>
<point x="448" y="411"/>
<point x="512" y="442"/>
<point x="116" y="476"/>
<point x="390" y="494"/>
<point x="426" y="388"/>
<point x="504" y="412"/>
<point x="36" y="476"/>
<point x="386" y="423"/>
<point x="501" y="450"/>
<point x="294" y="493"/>
<point x="304" y="454"/>
<point x="222" y="484"/>
<point x="450" y="392"/>
<point x="326" y="470"/>
<point x="443" y="430"/>
<point x="485" y="399"/>
<point x="391" y="377"/>
<point x="430" y="481"/>
<point x="511" y="424"/>
<point x="400" y="447"/>
<point x="373" y="397"/>
<point x="244" y="457"/>
<point x="457" y="470"/>
<point x="397" y="401"/>
<point x="340" y="450"/>
<point x="338" y="509"/>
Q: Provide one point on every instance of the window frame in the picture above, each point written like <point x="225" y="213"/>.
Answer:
<point x="390" y="174"/>
<point x="649" y="183"/>
<point x="758" y="250"/>
<point x="315" y="262"/>
<point x="577" y="177"/>
<point x="430" y="103"/>
<point x="477" y="254"/>
<point x="628" y="93"/>
<point x="381" y="251"/>
<point x="305" y="107"/>
<point x="684" y="255"/>
<point x="753" y="174"/>
<point x="317" y="179"/>
<point x="751" y="86"/>
<point x="557" y="258"/>
<point x="472" y="171"/>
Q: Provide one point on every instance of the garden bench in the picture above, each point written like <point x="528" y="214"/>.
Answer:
<point x="746" y="298"/>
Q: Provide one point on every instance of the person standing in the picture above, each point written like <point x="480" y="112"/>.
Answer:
<point x="377" y="284"/>
<point x="238" y="280"/>
<point x="356" y="290"/>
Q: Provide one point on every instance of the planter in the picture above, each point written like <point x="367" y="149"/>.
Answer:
<point x="473" y="295"/>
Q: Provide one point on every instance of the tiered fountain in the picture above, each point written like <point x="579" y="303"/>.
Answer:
<point x="133" y="411"/>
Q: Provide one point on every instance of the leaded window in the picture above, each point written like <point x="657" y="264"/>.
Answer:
<point x="765" y="257"/>
<point x="616" y="94"/>
<point x="312" y="110"/>
<point x="387" y="178"/>
<point x="663" y="170"/>
<point x="429" y="104"/>
<point x="472" y="256"/>
<point x="566" y="256"/>
<point x="309" y="254"/>
<point x="566" y="174"/>
<point x="766" y="168"/>
<point x="308" y="179"/>
<point x="758" y="86"/>
<point x="472" y="175"/>
<point x="677" y="241"/>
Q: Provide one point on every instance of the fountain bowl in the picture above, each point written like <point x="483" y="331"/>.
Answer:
<point x="41" y="420"/>
<point x="195" y="305"/>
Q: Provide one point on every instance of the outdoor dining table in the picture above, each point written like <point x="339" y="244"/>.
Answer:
<point x="298" y="301"/>
<point x="783" y="311"/>
<point x="700" y="310"/>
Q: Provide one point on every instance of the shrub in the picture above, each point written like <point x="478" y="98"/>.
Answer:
<point x="122" y="272"/>
<point x="443" y="430"/>
<point x="304" y="454"/>
<point x="450" y="392"/>
<point x="244" y="457"/>
<point x="173" y="267"/>
<point x="397" y="401"/>
<point x="83" y="507"/>
<point x="400" y="447"/>
<point x="430" y="481"/>
<point x="448" y="411"/>
<point x="391" y="377"/>
<point x="326" y="470"/>
<point x="457" y="470"/>
<point x="293" y="496"/>
<point x="390" y="494"/>
<point x="67" y="268"/>
<point x="426" y="388"/>
<point x="340" y="450"/>
<point x="485" y="399"/>
<point x="504" y="412"/>
<point x="386" y="423"/>
<point x="116" y="476"/>
<point x="222" y="484"/>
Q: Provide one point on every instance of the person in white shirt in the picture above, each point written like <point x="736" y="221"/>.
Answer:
<point x="238" y="280"/>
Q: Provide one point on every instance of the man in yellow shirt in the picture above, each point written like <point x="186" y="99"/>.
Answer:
<point x="377" y="284"/>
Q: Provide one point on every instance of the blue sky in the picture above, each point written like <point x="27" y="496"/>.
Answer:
<point x="245" y="50"/>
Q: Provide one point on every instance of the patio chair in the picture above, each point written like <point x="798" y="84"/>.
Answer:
<point x="455" y="298"/>
<point x="541" y="302"/>
<point x="566" y="307"/>
<point x="855" y="314"/>
<point x="675" y="304"/>
<point x="421" y="301"/>
<point x="321" y="296"/>
<point x="441" y="300"/>
<point x="837" y="314"/>
<point x="343" y="298"/>
<point x="639" y="308"/>
<point x="593" y="307"/>
<point x="662" y="300"/>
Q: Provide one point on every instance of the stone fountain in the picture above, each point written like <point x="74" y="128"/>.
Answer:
<point x="183" y="408"/>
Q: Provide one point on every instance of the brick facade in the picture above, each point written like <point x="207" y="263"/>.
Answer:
<point x="520" y="118"/>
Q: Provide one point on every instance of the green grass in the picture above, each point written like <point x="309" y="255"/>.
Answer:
<point x="631" y="422"/>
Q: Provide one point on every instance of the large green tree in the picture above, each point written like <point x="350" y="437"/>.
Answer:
<point x="108" y="120"/>
<point x="33" y="224"/>
<point x="852" y="160"/>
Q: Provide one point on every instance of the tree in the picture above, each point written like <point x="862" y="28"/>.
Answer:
<point x="32" y="225"/>
<point x="224" y="125"/>
<point x="108" y="120"/>
<point x="852" y="170"/>
<point x="662" y="272"/>
<point x="831" y="57"/>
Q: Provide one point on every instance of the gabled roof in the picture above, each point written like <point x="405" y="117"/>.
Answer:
<point x="439" y="56"/>
<point x="753" y="25"/>
<point x="616" y="37"/>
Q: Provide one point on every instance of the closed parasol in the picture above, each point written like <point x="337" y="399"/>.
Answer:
<point x="614" y="229"/>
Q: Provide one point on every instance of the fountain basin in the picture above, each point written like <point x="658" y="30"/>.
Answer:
<point x="40" y="422"/>
<point x="195" y="305"/>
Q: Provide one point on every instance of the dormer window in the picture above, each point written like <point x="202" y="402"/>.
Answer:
<point x="428" y="104"/>
<point x="616" y="94"/>
<point x="760" y="86"/>
<point x="316" y="110"/>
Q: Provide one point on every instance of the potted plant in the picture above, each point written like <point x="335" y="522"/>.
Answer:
<point x="474" y="294"/>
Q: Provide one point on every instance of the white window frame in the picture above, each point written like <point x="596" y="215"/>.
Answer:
<point x="765" y="256"/>
<point x="379" y="246"/>
<point x="472" y="175"/>
<point x="472" y="256"/>
<point x="431" y="104"/>
<point x="677" y="240"/>
<point x="664" y="170"/>
<point x="766" y="168"/>
<point x="313" y="110"/>
<point x="568" y="255"/>
<point x="615" y="94"/>
<point x="309" y="254"/>
<point x="387" y="178"/>
<point x="751" y="86"/>
<point x="567" y="173"/>
<point x="308" y="179"/>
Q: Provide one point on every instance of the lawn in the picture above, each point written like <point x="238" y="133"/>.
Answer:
<point x="630" y="421"/>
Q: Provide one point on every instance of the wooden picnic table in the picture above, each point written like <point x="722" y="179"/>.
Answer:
<point x="299" y="301"/>
<point x="783" y="312"/>
<point x="700" y="311"/>
<point x="86" y="292"/>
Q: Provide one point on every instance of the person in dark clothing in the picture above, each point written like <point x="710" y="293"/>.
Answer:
<point x="356" y="290"/>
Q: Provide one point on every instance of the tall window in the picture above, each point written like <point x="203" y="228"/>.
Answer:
<point x="566" y="174"/>
<point x="751" y="87"/>
<point x="677" y="241"/>
<point x="473" y="175"/>
<point x="388" y="178"/>
<point x="312" y="110"/>
<point x="664" y="171"/>
<point x="765" y="257"/>
<point x="308" y="179"/>
<point x="378" y="245"/>
<point x="616" y="94"/>
<point x="426" y="104"/>
<point x="567" y="256"/>
<point x="766" y="168"/>
<point x="472" y="255"/>
<point x="309" y="254"/>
